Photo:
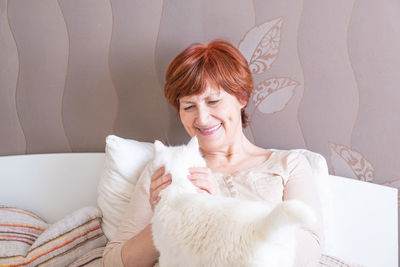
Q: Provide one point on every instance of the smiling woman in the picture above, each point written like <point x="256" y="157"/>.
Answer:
<point x="218" y="65"/>
<point x="214" y="116"/>
<point x="209" y="85"/>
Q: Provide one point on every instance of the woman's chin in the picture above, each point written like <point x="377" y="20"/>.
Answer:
<point x="210" y="142"/>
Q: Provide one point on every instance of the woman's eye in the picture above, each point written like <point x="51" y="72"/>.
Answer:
<point x="212" y="102"/>
<point x="187" y="108"/>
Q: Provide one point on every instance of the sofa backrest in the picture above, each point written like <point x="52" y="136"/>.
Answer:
<point x="50" y="185"/>
<point x="54" y="185"/>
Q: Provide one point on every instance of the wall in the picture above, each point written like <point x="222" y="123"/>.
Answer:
<point x="326" y="73"/>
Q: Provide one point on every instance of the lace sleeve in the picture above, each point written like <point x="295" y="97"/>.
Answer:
<point x="137" y="216"/>
<point x="301" y="185"/>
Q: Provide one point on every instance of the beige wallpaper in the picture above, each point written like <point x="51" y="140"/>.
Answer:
<point x="327" y="74"/>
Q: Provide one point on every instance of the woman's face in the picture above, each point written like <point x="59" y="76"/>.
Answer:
<point x="214" y="116"/>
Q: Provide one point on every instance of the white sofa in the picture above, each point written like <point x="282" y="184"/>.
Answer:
<point x="53" y="185"/>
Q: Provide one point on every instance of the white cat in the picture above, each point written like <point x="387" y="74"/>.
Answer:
<point x="191" y="229"/>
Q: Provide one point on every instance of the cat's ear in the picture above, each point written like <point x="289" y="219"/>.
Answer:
<point x="194" y="143"/>
<point x="158" y="146"/>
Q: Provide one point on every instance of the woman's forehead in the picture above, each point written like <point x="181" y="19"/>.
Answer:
<point x="209" y="92"/>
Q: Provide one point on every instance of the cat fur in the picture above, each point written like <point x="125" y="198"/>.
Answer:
<point x="193" y="229"/>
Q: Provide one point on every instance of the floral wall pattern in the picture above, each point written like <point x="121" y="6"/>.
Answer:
<point x="327" y="74"/>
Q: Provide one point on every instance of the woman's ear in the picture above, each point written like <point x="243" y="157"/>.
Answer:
<point x="243" y="103"/>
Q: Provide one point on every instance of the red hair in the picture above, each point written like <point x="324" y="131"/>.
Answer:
<point x="218" y="64"/>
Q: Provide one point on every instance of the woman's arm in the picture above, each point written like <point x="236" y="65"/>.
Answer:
<point x="136" y="251"/>
<point x="140" y="250"/>
<point x="133" y="243"/>
<point x="301" y="185"/>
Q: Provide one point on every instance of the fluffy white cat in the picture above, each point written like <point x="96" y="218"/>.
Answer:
<point x="191" y="229"/>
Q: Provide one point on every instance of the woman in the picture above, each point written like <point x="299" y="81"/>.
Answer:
<point x="209" y="86"/>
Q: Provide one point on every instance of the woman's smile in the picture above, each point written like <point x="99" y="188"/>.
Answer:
<point x="209" y="130"/>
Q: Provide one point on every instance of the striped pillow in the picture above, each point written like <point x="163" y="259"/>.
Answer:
<point x="18" y="231"/>
<point x="27" y="240"/>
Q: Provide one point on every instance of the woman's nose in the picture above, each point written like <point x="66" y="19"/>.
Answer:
<point x="203" y="116"/>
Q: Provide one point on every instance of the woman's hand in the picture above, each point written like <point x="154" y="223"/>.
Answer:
<point x="204" y="180"/>
<point x="159" y="181"/>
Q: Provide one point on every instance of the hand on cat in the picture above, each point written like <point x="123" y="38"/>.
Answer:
<point x="204" y="180"/>
<point x="159" y="181"/>
<point x="201" y="177"/>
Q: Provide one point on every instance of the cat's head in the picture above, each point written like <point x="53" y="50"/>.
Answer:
<point x="178" y="159"/>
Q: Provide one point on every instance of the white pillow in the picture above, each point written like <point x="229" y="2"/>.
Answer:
<point x="320" y="171"/>
<point x="125" y="160"/>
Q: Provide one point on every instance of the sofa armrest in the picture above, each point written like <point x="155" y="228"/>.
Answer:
<point x="365" y="222"/>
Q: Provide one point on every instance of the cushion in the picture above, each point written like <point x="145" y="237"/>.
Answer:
<point x="125" y="160"/>
<point x="330" y="261"/>
<point x="18" y="231"/>
<point x="26" y="239"/>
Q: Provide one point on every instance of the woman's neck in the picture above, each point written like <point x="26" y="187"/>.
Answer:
<point x="233" y="154"/>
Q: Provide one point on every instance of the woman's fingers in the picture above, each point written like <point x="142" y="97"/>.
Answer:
<point x="200" y="170"/>
<point x="155" y="184"/>
<point x="158" y="173"/>
<point x="155" y="195"/>
<point x="159" y="181"/>
<point x="203" y="179"/>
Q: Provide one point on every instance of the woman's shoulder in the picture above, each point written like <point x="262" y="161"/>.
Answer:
<point x="287" y="155"/>
<point x="273" y="161"/>
<point x="286" y="160"/>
